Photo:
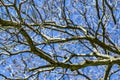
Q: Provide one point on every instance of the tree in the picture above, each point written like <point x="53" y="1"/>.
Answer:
<point x="59" y="39"/>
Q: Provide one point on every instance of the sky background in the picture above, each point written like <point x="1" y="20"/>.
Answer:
<point x="52" y="10"/>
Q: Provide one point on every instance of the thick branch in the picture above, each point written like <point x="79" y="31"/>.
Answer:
<point x="29" y="40"/>
<point x="107" y="72"/>
<point x="91" y="39"/>
<point x="89" y="63"/>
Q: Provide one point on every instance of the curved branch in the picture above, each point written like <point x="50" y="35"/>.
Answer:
<point x="29" y="40"/>
<point x="107" y="72"/>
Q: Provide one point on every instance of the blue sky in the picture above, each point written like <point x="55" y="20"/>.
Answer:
<point x="51" y="10"/>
